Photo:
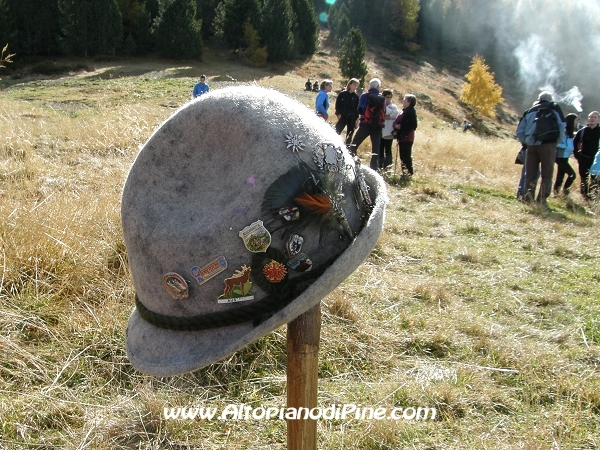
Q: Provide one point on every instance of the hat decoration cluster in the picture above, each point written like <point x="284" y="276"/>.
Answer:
<point x="308" y="194"/>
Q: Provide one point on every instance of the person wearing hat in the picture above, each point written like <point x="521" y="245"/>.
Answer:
<point x="232" y="235"/>
<point x="201" y="87"/>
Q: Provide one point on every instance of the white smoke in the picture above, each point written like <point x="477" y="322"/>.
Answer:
<point x="540" y="69"/>
<point x="573" y="97"/>
<point x="537" y="65"/>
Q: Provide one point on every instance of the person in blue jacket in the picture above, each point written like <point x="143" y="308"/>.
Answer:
<point x="201" y="87"/>
<point x="564" y="150"/>
<point x="322" y="100"/>
<point x="540" y="155"/>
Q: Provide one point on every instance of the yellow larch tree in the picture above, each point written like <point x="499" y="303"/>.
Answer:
<point x="481" y="91"/>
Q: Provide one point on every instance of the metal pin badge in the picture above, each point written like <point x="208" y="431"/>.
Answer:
<point x="237" y="287"/>
<point x="256" y="237"/>
<point x="293" y="245"/>
<point x="175" y="285"/>
<point x="300" y="263"/>
<point x="205" y="273"/>
<point x="274" y="271"/>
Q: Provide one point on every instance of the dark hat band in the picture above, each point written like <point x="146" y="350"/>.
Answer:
<point x="257" y="312"/>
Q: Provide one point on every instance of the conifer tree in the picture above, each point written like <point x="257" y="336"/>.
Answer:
<point x="89" y="27"/>
<point x="253" y="54"/>
<point x="34" y="24"/>
<point x="305" y="28"/>
<point x="237" y="12"/>
<point x="352" y="54"/>
<point x="405" y="18"/>
<point x="277" y="29"/>
<point x="338" y="20"/>
<point x="481" y="91"/>
<point x="218" y="26"/>
<point x="142" y="34"/>
<point x="6" y="28"/>
<point x="179" y="34"/>
<point x="107" y="27"/>
<point x="357" y="13"/>
<point x="74" y="16"/>
<point x="152" y="7"/>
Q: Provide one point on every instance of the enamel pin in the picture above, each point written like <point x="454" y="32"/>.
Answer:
<point x="274" y="271"/>
<point x="175" y="285"/>
<point x="300" y="263"/>
<point x="215" y="267"/>
<point x="237" y="287"/>
<point x="256" y="237"/>
<point x="290" y="213"/>
<point x="294" y="245"/>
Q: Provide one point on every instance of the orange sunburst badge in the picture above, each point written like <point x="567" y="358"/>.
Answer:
<point x="274" y="271"/>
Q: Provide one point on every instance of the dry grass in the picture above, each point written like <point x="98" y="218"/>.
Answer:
<point x="470" y="302"/>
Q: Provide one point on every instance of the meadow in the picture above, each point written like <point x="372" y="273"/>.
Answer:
<point x="471" y="302"/>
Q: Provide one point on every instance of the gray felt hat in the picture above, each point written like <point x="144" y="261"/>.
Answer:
<point x="241" y="212"/>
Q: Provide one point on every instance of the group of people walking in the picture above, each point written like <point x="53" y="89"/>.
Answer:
<point x="373" y="115"/>
<point x="542" y="154"/>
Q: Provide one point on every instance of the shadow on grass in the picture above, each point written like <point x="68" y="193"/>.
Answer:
<point x="397" y="179"/>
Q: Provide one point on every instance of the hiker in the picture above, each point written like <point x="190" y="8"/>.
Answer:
<point x="200" y="87"/>
<point x="386" y="157"/>
<point x="322" y="100"/>
<point x="315" y="87"/>
<point x="406" y="124"/>
<point x="346" y="110"/>
<point x="308" y="85"/>
<point x="564" y="150"/>
<point x="541" y="150"/>
<point x="585" y="146"/>
<point x="454" y="124"/>
<point x="371" y="111"/>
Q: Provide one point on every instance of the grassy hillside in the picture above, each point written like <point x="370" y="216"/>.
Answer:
<point x="470" y="303"/>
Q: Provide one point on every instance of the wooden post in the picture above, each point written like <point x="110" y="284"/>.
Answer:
<point x="303" y="334"/>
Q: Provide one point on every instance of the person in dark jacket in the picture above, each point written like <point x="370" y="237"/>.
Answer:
<point x="588" y="137"/>
<point x="406" y="124"/>
<point x="365" y="129"/>
<point x="346" y="110"/>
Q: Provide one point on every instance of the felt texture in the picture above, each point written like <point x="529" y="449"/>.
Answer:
<point x="197" y="182"/>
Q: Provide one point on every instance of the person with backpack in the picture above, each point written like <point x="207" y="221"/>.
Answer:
<point x="585" y="144"/>
<point x="564" y="150"/>
<point x="541" y="128"/>
<point x="346" y="110"/>
<point x="371" y="108"/>
<point x="322" y="100"/>
<point x="405" y="126"/>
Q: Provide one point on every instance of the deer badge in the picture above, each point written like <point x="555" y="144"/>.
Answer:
<point x="237" y="287"/>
